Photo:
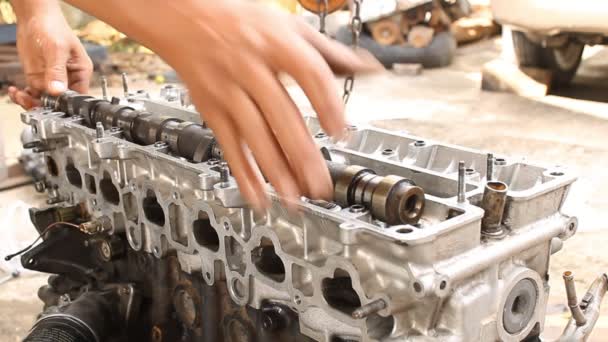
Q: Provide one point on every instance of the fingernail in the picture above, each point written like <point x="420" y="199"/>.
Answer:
<point x="58" y="86"/>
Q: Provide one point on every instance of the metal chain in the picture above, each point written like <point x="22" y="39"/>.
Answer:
<point x="322" y="10"/>
<point x="356" y="26"/>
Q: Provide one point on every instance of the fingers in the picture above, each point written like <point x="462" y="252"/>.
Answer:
<point x="56" y="73"/>
<point x="267" y="152"/>
<point x="250" y="181"/>
<point x="27" y="98"/>
<point x="288" y="126"/>
<point x="316" y="80"/>
<point x="342" y="59"/>
<point x="80" y="70"/>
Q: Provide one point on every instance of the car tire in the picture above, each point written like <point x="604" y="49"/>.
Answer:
<point x="563" y="61"/>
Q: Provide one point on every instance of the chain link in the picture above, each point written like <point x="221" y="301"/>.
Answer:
<point x="356" y="26"/>
<point x="322" y="10"/>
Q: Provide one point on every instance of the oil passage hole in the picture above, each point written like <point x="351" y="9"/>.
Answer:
<point x="404" y="230"/>
<point x="519" y="306"/>
<point x="500" y="161"/>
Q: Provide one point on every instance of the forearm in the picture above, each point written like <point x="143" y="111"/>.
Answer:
<point x="26" y="9"/>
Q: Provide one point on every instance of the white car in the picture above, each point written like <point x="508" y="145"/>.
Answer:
<point x="552" y="34"/>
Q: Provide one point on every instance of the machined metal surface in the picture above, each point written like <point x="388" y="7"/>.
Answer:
<point x="348" y="272"/>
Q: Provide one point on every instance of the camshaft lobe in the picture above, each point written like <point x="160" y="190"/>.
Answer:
<point x="392" y="199"/>
<point x="185" y="139"/>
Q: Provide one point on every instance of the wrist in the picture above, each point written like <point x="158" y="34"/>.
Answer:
<point x="28" y="9"/>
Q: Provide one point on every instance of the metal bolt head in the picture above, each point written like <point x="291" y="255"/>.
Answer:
<point x="99" y="130"/>
<point x="64" y="300"/>
<point x="224" y="174"/>
<point x="105" y="250"/>
<point x="273" y="319"/>
<point x="40" y="186"/>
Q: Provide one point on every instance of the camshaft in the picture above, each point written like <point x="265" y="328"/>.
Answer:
<point x="392" y="199"/>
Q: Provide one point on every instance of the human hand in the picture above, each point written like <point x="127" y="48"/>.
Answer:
<point x="53" y="58"/>
<point x="230" y="56"/>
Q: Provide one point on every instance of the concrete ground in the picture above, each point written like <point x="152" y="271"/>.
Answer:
<point x="568" y="128"/>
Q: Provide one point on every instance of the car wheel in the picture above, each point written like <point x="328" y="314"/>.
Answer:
<point x="563" y="61"/>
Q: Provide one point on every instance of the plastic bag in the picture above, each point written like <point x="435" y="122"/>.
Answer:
<point x="17" y="232"/>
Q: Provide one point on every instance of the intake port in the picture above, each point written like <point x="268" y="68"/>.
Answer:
<point x="152" y="209"/>
<point x="267" y="262"/>
<point x="72" y="174"/>
<point x="339" y="292"/>
<point x="204" y="233"/>
<point x="108" y="190"/>
<point x="51" y="166"/>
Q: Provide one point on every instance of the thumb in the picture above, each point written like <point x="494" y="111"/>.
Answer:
<point x="56" y="75"/>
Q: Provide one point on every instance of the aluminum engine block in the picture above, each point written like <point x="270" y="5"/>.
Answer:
<point x="348" y="275"/>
